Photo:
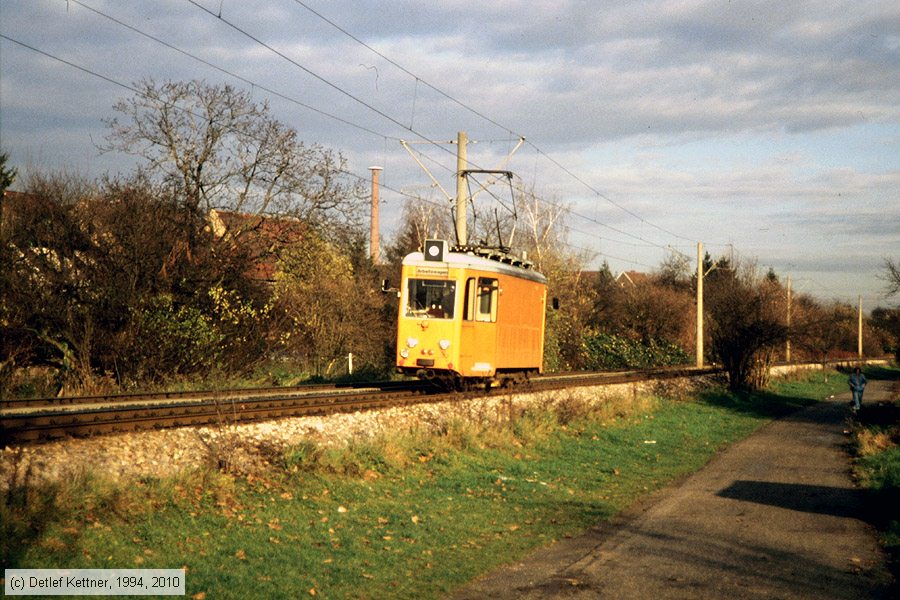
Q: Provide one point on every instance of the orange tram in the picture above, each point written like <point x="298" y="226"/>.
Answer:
<point x="470" y="316"/>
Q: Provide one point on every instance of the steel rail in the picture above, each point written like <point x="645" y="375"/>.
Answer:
<point x="43" y="423"/>
<point x="14" y="403"/>
<point x="156" y="411"/>
<point x="42" y="419"/>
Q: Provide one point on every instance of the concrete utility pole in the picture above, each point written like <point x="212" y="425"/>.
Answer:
<point x="699" y="304"/>
<point x="461" y="166"/>
<point x="374" y="227"/>
<point x="787" y="344"/>
<point x="859" y="345"/>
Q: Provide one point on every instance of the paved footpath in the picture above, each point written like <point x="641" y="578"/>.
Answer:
<point x="773" y="516"/>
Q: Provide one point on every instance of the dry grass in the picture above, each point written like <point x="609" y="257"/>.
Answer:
<point x="870" y="442"/>
<point x="505" y="423"/>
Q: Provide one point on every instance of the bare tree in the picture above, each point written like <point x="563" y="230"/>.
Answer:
<point x="222" y="150"/>
<point x="892" y="277"/>
<point x="887" y="321"/>
<point x="542" y="227"/>
<point x="675" y="271"/>
<point x="746" y="326"/>
<point x="421" y="219"/>
<point x="542" y="233"/>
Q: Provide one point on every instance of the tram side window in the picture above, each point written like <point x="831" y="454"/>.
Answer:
<point x="431" y="298"/>
<point x="469" y="304"/>
<point x="486" y="304"/>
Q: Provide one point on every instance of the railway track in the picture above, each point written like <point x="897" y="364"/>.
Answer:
<point x="24" y="421"/>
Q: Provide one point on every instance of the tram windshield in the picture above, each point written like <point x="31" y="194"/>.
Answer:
<point x="430" y="298"/>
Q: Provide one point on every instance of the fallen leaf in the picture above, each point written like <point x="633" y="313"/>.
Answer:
<point x="241" y="555"/>
<point x="341" y="509"/>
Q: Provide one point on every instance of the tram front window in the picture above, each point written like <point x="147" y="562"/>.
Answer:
<point x="431" y="298"/>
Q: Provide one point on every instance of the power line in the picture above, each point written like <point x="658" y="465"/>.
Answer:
<point x="493" y="122"/>
<point x="601" y="195"/>
<point x="143" y="94"/>
<point x="323" y="113"/>
<point x="121" y="23"/>
<point x="404" y="69"/>
<point x="310" y="72"/>
<point x="596" y="222"/>
<point x="369" y="106"/>
<point x="568" y="244"/>
<point x="71" y="64"/>
<point x="221" y="70"/>
<point x="226" y="71"/>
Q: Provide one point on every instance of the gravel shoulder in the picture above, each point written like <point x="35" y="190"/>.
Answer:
<point x="774" y="516"/>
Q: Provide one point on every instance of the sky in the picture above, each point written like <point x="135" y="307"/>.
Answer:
<point x="768" y="131"/>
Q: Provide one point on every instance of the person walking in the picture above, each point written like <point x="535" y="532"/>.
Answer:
<point x="857" y="385"/>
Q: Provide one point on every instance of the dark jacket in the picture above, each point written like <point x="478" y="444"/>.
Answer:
<point x="857" y="382"/>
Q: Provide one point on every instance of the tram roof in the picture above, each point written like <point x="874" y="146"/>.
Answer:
<point x="471" y="261"/>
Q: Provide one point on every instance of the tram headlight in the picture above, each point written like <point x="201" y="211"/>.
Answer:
<point x="412" y="342"/>
<point x="444" y="344"/>
<point x="404" y="352"/>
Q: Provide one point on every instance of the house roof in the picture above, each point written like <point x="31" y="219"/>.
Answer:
<point x="264" y="237"/>
<point x="632" y="278"/>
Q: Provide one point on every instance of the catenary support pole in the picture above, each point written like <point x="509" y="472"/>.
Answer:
<point x="461" y="166"/>
<point x="374" y="226"/>
<point x="699" y="304"/>
<point x="787" y="344"/>
<point x="859" y="340"/>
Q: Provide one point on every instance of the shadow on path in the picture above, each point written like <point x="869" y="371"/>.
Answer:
<point x="773" y="516"/>
<point x="809" y="498"/>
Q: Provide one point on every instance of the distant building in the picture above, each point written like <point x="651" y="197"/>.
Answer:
<point x="632" y="279"/>
<point x="263" y="237"/>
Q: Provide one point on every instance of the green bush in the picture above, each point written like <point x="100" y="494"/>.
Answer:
<point x="604" y="351"/>
<point x="881" y="474"/>
<point x="175" y="339"/>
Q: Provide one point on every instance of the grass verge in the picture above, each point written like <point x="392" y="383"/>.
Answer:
<point x="876" y="443"/>
<point x="413" y="514"/>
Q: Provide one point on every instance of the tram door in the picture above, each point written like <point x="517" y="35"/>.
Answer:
<point x="478" y="338"/>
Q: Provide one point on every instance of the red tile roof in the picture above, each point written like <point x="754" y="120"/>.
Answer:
<point x="263" y="236"/>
